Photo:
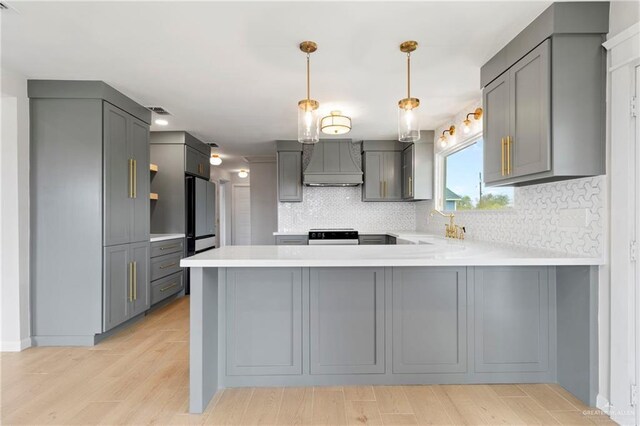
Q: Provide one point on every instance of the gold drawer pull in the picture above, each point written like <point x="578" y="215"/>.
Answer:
<point x="502" y="156"/>
<point x="163" y="289"/>
<point x="169" y="247"/>
<point x="171" y="265"/>
<point x="130" y="281"/>
<point x="135" y="280"/>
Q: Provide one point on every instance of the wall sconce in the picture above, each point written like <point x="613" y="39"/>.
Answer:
<point x="466" y="124"/>
<point x="443" y="139"/>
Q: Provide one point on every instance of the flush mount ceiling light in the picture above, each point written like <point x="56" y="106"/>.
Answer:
<point x="215" y="159"/>
<point x="408" y="125"/>
<point x="443" y="138"/>
<point x="243" y="173"/>
<point x="335" y="123"/>
<point x="308" y="129"/>
<point x="161" y="122"/>
<point x="466" y="124"/>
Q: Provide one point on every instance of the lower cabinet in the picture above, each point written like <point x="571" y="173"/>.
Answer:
<point x="167" y="277"/>
<point x="429" y="320"/>
<point x="346" y="320"/>
<point x="126" y="282"/>
<point x="292" y="240"/>
<point x="264" y="321"/>
<point x="511" y="319"/>
<point x="167" y="286"/>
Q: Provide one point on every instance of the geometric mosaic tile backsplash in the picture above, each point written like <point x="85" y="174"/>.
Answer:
<point x="543" y="216"/>
<point x="538" y="219"/>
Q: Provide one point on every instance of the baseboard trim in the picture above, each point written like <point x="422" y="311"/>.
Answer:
<point x="15" y="345"/>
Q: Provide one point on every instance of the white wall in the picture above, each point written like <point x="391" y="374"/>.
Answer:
<point x="622" y="14"/>
<point x="14" y="214"/>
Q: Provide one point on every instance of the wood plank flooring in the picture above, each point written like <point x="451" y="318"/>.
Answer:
<point x="140" y="376"/>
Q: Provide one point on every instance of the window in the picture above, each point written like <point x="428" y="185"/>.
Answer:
<point x="463" y="187"/>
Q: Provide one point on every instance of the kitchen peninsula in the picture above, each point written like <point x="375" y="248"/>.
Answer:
<point x="436" y="311"/>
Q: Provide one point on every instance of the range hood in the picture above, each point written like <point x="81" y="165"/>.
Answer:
<point x="332" y="164"/>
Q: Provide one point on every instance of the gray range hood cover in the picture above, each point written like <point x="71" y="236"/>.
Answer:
<point x="332" y="164"/>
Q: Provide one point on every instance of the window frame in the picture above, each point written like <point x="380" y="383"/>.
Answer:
<point x="441" y="168"/>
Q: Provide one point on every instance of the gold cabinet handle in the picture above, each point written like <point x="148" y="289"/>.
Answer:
<point x="173" y="284"/>
<point x="381" y="190"/>
<point x="135" y="179"/>
<point x="410" y="186"/>
<point x="169" y="265"/>
<point x="135" y="280"/>
<point x="169" y="247"/>
<point x="508" y="155"/>
<point x="385" y="189"/>
<point x="130" y="195"/>
<point x="130" y="281"/>
<point x="502" y="156"/>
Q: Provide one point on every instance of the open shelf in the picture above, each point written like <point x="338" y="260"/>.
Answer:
<point x="153" y="196"/>
<point x="153" y="167"/>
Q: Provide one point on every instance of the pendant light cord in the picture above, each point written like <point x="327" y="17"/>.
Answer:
<point x="308" y="78"/>
<point x="409" y="75"/>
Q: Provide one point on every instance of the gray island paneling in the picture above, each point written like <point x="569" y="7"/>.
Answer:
<point x="304" y="326"/>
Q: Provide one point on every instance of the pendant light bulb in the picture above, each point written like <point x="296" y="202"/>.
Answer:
<point x="466" y="126"/>
<point x="408" y="123"/>
<point x="308" y="120"/>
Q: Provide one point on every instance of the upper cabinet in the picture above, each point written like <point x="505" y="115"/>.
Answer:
<point x="197" y="162"/>
<point x="289" y="171"/>
<point x="544" y="98"/>
<point x="417" y="170"/>
<point x="394" y="171"/>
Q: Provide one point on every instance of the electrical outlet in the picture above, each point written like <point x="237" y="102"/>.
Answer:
<point x="573" y="218"/>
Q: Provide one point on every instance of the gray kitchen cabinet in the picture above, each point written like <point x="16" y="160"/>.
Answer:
<point x="166" y="275"/>
<point x="290" y="176"/>
<point x="140" y="228"/>
<point x="544" y="98"/>
<point x="429" y="320"/>
<point x="141" y="283"/>
<point x="89" y="170"/>
<point x="512" y="308"/>
<point x="264" y="321"/>
<point x="517" y="116"/>
<point x="126" y="282"/>
<point x="496" y="117"/>
<point x="292" y="240"/>
<point x="372" y="239"/>
<point x="117" y="285"/>
<point x="196" y="163"/>
<point x="408" y="177"/>
<point x="126" y="177"/>
<point x="177" y="153"/>
<point x="346" y="320"/>
<point x="417" y="169"/>
<point x="118" y="176"/>
<point x="382" y="176"/>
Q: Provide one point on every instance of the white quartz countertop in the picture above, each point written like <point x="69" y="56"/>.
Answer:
<point x="162" y="237"/>
<point x="392" y="233"/>
<point x="417" y="250"/>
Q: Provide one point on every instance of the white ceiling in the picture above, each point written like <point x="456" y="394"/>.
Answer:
<point x="231" y="72"/>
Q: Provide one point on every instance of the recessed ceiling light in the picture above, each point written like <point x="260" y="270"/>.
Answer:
<point x="161" y="122"/>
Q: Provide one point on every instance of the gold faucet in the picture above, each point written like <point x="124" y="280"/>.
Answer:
<point x="451" y="229"/>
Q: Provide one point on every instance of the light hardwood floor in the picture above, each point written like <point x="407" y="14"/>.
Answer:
<point x="140" y="376"/>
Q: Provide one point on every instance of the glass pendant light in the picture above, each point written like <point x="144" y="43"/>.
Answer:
<point x="408" y="124"/>
<point x="308" y="128"/>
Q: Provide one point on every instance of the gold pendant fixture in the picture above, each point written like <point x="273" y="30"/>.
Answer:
<point x="408" y="124"/>
<point x="335" y="124"/>
<point x="308" y="128"/>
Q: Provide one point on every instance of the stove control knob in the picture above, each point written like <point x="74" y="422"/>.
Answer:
<point x="313" y="235"/>
<point x="323" y="235"/>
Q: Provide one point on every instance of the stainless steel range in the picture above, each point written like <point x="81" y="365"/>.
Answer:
<point x="336" y="236"/>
